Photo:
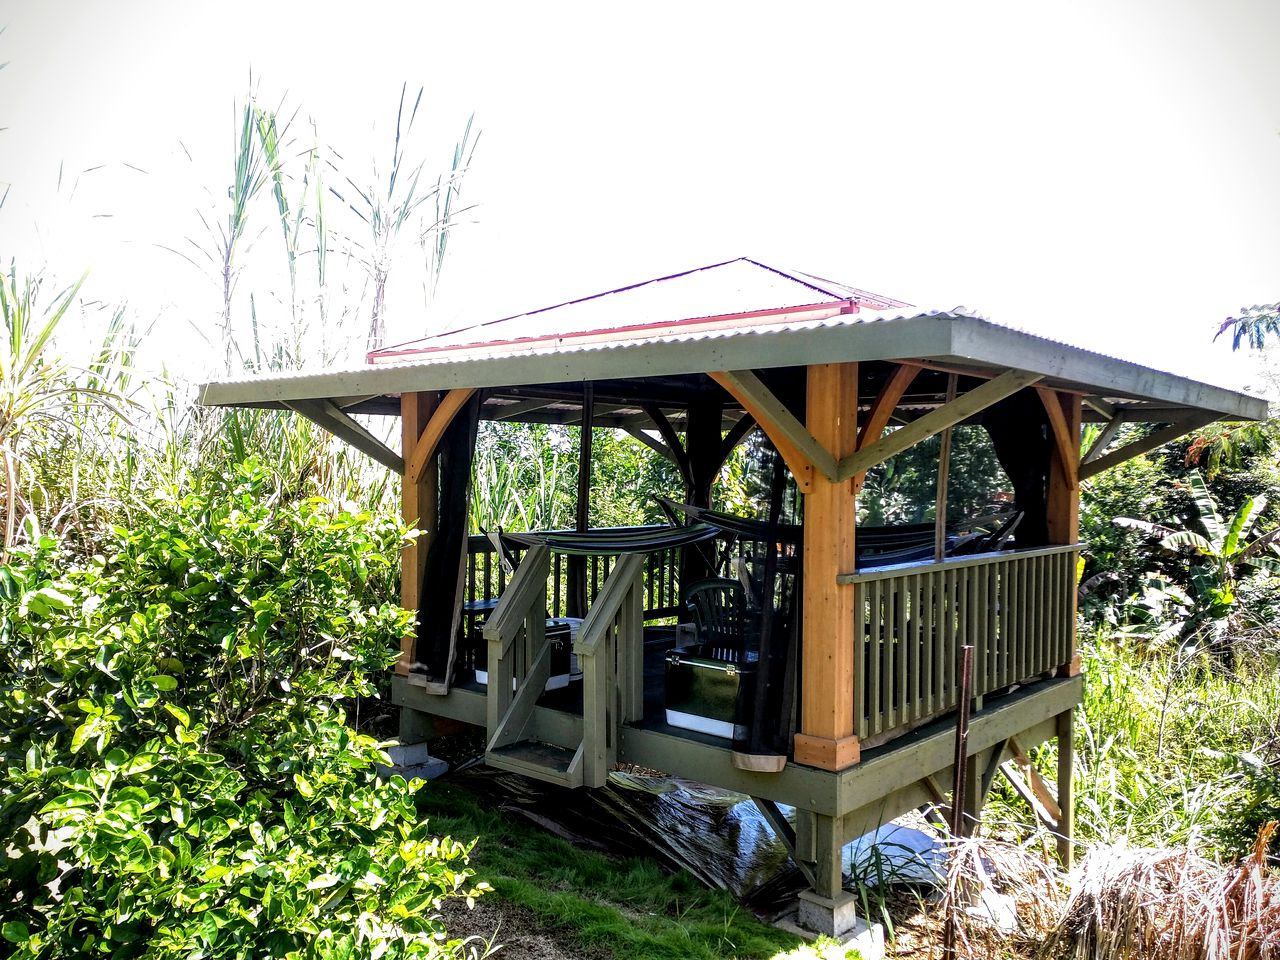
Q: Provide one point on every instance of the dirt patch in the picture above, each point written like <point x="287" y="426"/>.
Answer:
<point x="515" y="933"/>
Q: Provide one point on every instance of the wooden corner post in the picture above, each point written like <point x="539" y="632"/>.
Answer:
<point x="826" y="738"/>
<point x="418" y="508"/>
<point x="1063" y="497"/>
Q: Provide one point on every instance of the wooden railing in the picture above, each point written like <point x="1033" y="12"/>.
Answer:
<point x="610" y="649"/>
<point x="519" y="657"/>
<point x="488" y="577"/>
<point x="1016" y="608"/>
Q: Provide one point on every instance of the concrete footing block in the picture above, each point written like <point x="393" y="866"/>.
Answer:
<point x="839" y="919"/>
<point x="413" y="760"/>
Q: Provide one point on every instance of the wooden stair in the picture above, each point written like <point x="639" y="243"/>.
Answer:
<point x="547" y="762"/>
<point x="610" y="648"/>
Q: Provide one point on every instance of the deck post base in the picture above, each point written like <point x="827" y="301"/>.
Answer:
<point x="826" y="753"/>
<point x="839" y="918"/>
<point x="412" y="760"/>
<point x="415" y="726"/>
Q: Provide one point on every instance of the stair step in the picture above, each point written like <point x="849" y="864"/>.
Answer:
<point x="542" y="761"/>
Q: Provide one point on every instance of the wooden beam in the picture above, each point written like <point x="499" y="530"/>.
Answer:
<point x="885" y="403"/>
<point x="518" y="408"/>
<point x="826" y="738"/>
<point x="1108" y="410"/>
<point x="935" y="421"/>
<point x="418" y="509"/>
<point x="1067" y="444"/>
<point x="1107" y="434"/>
<point x="328" y="416"/>
<point x="1150" y="442"/>
<point x="654" y="444"/>
<point x="425" y="447"/>
<point x="804" y="455"/>
<point x="1044" y="796"/>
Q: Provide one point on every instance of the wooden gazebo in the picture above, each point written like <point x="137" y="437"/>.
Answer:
<point x="838" y="380"/>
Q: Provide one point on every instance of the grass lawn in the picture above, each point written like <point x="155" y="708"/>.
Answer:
<point x="605" y="906"/>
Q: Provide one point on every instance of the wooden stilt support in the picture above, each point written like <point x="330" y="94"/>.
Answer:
<point x="1066" y="766"/>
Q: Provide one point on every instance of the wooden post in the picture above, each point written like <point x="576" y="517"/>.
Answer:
<point x="1063" y="504"/>
<point x="1066" y="757"/>
<point x="418" y="508"/>
<point x="582" y="516"/>
<point x="944" y="476"/>
<point x="826" y="738"/>
<point x="703" y="448"/>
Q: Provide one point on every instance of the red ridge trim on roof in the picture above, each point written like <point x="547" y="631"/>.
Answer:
<point x="832" y="307"/>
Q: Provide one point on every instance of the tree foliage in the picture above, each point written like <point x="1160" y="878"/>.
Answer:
<point x="180" y="775"/>
<point x="1219" y="552"/>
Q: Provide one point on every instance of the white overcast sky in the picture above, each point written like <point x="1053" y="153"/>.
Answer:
<point x="1106" y="172"/>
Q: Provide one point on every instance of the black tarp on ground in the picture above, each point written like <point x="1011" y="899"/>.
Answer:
<point x="718" y="836"/>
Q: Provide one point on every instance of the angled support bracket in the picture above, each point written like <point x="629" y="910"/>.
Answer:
<point x="786" y="833"/>
<point x="975" y="401"/>
<point x="671" y="440"/>
<point x="885" y="403"/>
<point x="328" y="416"/>
<point x="1104" y="439"/>
<point x="735" y="435"/>
<point x="1068" y="446"/>
<point x="453" y="402"/>
<point x="1150" y="442"/>
<point x="654" y="444"/>
<point x="803" y="454"/>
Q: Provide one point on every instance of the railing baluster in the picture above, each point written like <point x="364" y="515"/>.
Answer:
<point x="904" y="643"/>
<point x="941" y="616"/>
<point x="861" y="621"/>
<point x="1044" y="608"/>
<point x="915" y="640"/>
<point x="875" y="676"/>
<point x="928" y="609"/>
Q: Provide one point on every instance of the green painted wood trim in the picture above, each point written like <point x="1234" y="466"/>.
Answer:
<point x="956" y="563"/>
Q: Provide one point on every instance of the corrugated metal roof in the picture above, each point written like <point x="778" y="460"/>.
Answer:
<point x="735" y="315"/>
<point x="733" y="293"/>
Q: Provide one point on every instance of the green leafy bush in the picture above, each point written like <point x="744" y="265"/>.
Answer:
<point x="179" y="775"/>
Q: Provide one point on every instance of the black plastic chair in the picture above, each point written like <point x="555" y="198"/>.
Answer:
<point x="719" y="610"/>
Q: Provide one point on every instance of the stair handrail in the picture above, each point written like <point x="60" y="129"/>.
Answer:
<point x="608" y="603"/>
<point x="612" y="670"/>
<point x="526" y="589"/>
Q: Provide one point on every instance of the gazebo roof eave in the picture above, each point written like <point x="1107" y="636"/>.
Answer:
<point x="947" y="338"/>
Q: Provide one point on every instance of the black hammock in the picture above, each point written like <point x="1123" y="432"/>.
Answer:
<point x="601" y="543"/>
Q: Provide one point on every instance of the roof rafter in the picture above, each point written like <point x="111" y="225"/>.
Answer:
<point x="328" y="416"/>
